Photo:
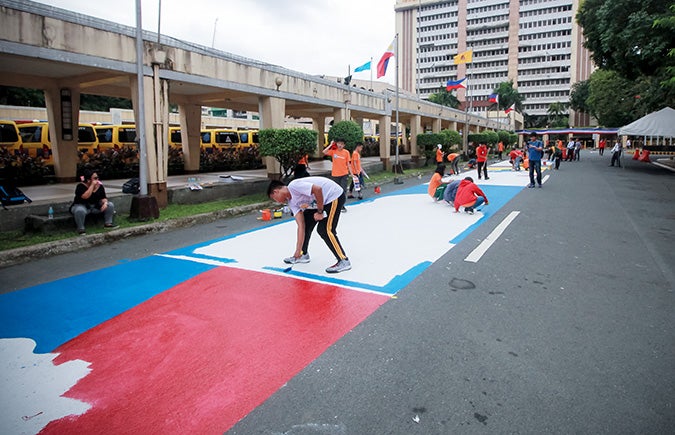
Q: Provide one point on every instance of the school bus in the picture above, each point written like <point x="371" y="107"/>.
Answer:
<point x="175" y="139"/>
<point x="219" y="139"/>
<point x="36" y="141"/>
<point x="116" y="136"/>
<point x="9" y="135"/>
<point x="248" y="138"/>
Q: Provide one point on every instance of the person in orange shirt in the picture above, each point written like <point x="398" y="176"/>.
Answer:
<point x="436" y="182"/>
<point x="439" y="154"/>
<point x="357" y="170"/>
<point x="301" y="167"/>
<point x="341" y="171"/>
<point x="500" y="149"/>
<point x="481" y="158"/>
<point x="453" y="158"/>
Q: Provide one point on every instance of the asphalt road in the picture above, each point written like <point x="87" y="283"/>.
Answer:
<point x="565" y="325"/>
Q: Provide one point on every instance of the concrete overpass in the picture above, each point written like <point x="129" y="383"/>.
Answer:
<point x="67" y="54"/>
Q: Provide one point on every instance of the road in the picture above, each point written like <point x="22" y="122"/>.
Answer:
<point x="562" y="325"/>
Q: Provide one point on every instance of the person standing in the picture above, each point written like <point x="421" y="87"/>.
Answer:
<point x="357" y="170"/>
<point x="570" y="150"/>
<point x="341" y="170"/>
<point x="469" y="196"/>
<point x="439" y="154"/>
<point x="90" y="197"/>
<point x="577" y="150"/>
<point x="616" y="154"/>
<point x="481" y="159"/>
<point x="314" y="202"/>
<point x="535" y="150"/>
<point x="500" y="149"/>
<point x="301" y="167"/>
<point x="601" y="146"/>
<point x="453" y="158"/>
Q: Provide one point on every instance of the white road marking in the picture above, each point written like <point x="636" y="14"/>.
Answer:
<point x="481" y="249"/>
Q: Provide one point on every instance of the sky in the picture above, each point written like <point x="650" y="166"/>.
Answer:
<point x="312" y="36"/>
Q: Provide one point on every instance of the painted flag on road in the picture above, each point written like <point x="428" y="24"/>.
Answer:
<point x="364" y="67"/>
<point x="384" y="61"/>
<point x="511" y="108"/>
<point x="464" y="57"/>
<point x="455" y="84"/>
<point x="494" y="98"/>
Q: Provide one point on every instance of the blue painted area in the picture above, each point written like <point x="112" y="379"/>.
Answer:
<point x="498" y="197"/>
<point x="55" y="312"/>
<point x="392" y="287"/>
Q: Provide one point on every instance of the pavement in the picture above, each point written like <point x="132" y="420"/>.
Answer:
<point x="539" y="313"/>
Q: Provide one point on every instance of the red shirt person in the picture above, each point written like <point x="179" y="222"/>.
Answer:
<point x="481" y="159"/>
<point x="469" y="196"/>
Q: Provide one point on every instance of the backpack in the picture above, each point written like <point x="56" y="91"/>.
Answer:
<point x="132" y="186"/>
<point x="12" y="196"/>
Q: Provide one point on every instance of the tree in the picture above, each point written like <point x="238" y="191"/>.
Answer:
<point x="620" y="36"/>
<point x="444" y="98"/>
<point x="350" y="131"/>
<point x="557" y="115"/>
<point x="579" y="96"/>
<point x="287" y="146"/>
<point x="508" y="95"/>
<point x="427" y="142"/>
<point x="611" y="98"/>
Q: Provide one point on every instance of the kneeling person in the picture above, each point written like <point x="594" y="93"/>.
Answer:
<point x="469" y="196"/>
<point x="313" y="200"/>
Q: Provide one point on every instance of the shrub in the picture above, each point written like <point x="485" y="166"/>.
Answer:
<point x="287" y="146"/>
<point x="350" y="131"/>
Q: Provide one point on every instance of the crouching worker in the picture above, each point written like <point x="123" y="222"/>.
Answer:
<point x="469" y="196"/>
<point x="436" y="184"/>
<point x="313" y="201"/>
<point x="90" y="197"/>
<point x="451" y="192"/>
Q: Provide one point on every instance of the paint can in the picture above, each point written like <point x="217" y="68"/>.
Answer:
<point x="377" y="189"/>
<point x="266" y="214"/>
<point x="278" y="214"/>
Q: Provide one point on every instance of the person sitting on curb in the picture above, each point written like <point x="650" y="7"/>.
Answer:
<point x="469" y="196"/>
<point x="90" y="197"/>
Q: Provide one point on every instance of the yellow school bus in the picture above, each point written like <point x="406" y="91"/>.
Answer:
<point x="248" y="138"/>
<point x="175" y="139"/>
<point x="9" y="135"/>
<point x="219" y="139"/>
<point x="36" y="141"/>
<point x="116" y="136"/>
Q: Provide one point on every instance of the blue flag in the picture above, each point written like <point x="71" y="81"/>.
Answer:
<point x="364" y="67"/>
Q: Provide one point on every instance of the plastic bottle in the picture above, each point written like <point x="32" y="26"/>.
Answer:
<point x="50" y="213"/>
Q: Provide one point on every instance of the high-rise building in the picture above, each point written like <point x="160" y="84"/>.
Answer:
<point x="537" y="44"/>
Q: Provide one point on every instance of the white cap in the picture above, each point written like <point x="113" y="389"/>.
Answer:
<point x="439" y="146"/>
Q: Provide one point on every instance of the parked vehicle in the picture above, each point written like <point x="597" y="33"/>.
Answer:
<point x="218" y="139"/>
<point x="248" y="138"/>
<point x="9" y="135"/>
<point x="36" y="141"/>
<point x="116" y="136"/>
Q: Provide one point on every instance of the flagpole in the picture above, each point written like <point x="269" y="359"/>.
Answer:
<point x="397" y="168"/>
<point x="371" y="74"/>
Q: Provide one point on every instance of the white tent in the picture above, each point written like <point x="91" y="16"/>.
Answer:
<point x="656" y="124"/>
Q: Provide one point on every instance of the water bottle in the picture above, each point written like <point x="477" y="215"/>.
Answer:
<point x="50" y="213"/>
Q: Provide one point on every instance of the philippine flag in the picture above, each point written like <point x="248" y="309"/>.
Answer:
<point x="455" y="84"/>
<point x="384" y="61"/>
<point x="510" y="109"/>
<point x="494" y="98"/>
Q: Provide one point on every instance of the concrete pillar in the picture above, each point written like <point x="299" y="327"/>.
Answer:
<point x="156" y="103"/>
<point x="272" y="112"/>
<point x="415" y="129"/>
<point x="339" y="115"/>
<point x="436" y="126"/>
<point x="385" y="134"/>
<point x="190" y="127"/>
<point x="60" y="101"/>
<point x="453" y="126"/>
<point x="319" y="124"/>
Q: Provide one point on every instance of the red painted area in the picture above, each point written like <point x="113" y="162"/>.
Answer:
<point x="201" y="356"/>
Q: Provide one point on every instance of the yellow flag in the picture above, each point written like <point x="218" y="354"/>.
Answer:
<point x="465" y="57"/>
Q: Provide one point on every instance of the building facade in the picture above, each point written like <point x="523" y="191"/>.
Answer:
<point x="534" y="43"/>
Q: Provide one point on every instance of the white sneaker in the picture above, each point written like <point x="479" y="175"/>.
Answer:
<point x="340" y="266"/>
<point x="304" y="258"/>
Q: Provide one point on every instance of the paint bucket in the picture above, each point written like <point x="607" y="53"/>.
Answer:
<point x="278" y="214"/>
<point x="266" y="215"/>
<point x="377" y="189"/>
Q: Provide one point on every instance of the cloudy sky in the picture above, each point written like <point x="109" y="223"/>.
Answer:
<point x="310" y="36"/>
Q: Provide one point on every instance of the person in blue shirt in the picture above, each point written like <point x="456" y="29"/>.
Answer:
<point x="535" y="150"/>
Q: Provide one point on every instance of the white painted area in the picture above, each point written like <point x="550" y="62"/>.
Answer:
<point x="384" y="238"/>
<point x="481" y="249"/>
<point x="377" y="253"/>
<point x="32" y="387"/>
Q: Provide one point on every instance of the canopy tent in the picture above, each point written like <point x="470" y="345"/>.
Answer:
<point x="658" y="124"/>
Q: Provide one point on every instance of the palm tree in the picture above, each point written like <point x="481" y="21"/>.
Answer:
<point x="557" y="114"/>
